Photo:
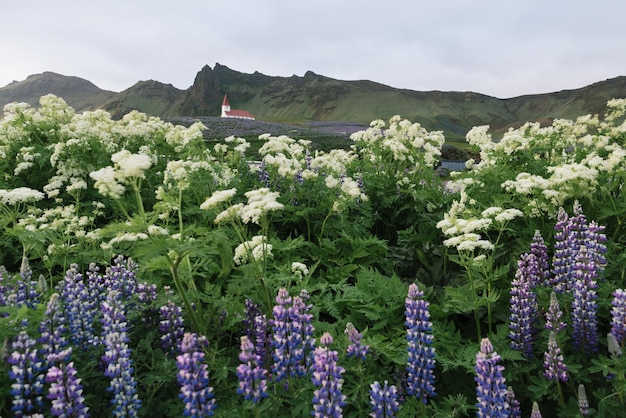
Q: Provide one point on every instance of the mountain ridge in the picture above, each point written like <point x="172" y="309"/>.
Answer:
<point x="313" y="97"/>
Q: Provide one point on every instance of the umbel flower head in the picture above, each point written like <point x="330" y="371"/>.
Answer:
<point x="421" y="355"/>
<point x="491" y="390"/>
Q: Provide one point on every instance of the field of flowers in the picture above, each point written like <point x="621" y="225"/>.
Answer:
<point x="148" y="272"/>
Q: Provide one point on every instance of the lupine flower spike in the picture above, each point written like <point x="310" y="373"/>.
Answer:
<point x="193" y="378"/>
<point x="523" y="309"/>
<point x="535" y="413"/>
<point x="252" y="377"/>
<point x="355" y="348"/>
<point x="383" y="400"/>
<point x="491" y="391"/>
<point x="584" y="304"/>
<point x="421" y="355"/>
<point x="539" y="249"/>
<point x="28" y="374"/>
<point x="554" y="368"/>
<point x="328" y="401"/>
<point x="583" y="402"/>
<point x="516" y="411"/>
<point x="65" y="388"/>
<point x="117" y="358"/>
<point x="618" y="316"/>
<point x="554" y="314"/>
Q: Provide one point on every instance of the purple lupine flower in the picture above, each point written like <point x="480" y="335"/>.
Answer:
<point x="593" y="239"/>
<point x="540" y="251"/>
<point x="383" y="400"/>
<point x="81" y="308"/>
<point x="146" y="293"/>
<point x="252" y="376"/>
<point x="554" y="367"/>
<point x="618" y="316"/>
<point x="328" y="401"/>
<point x="554" y="314"/>
<point x="292" y="335"/>
<point x="282" y="341"/>
<point x="535" y="413"/>
<point x="421" y="355"/>
<point x="52" y="328"/>
<point x="491" y="391"/>
<point x="121" y="276"/>
<point x="26" y="289"/>
<point x="65" y="388"/>
<point x="256" y="329"/>
<point x="565" y="248"/>
<point x="28" y="372"/>
<point x="584" y="304"/>
<point x="302" y="324"/>
<point x="583" y="402"/>
<point x="355" y="348"/>
<point x="117" y="358"/>
<point x="524" y="308"/>
<point x="172" y="327"/>
<point x="261" y="340"/>
<point x="193" y="378"/>
<point x="516" y="410"/>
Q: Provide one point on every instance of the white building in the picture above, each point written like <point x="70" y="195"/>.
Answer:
<point x="239" y="114"/>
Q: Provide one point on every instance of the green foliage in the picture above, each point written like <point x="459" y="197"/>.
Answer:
<point x="353" y="226"/>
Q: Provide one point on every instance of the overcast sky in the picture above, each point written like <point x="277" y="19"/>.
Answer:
<point x="502" y="48"/>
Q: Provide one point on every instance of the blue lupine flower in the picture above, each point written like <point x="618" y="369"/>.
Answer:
<point x="516" y="410"/>
<point x="193" y="378"/>
<point x="383" y="400"/>
<point x="120" y="276"/>
<point x="618" y="316"/>
<point x="421" y="355"/>
<point x="328" y="401"/>
<point x="28" y="372"/>
<point x="584" y="304"/>
<point x="81" y="308"/>
<point x="355" y="348"/>
<point x="523" y="306"/>
<point x="117" y="358"/>
<point x="256" y="329"/>
<point x="52" y="328"/>
<point x="554" y="367"/>
<point x="491" y="390"/>
<point x="539" y="249"/>
<point x="554" y="314"/>
<point x="292" y="335"/>
<point x="65" y="388"/>
<point x="172" y="327"/>
<point x="252" y="376"/>
<point x="565" y="248"/>
<point x="26" y="289"/>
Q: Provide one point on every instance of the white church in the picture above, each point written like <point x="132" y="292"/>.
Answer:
<point x="238" y="114"/>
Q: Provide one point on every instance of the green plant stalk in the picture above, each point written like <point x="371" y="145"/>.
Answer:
<point x="474" y="296"/>
<point x="179" y="287"/>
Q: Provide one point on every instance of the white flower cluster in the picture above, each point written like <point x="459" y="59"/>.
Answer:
<point x="260" y="203"/>
<point x="218" y="196"/>
<point x="258" y="248"/>
<point x="299" y="269"/>
<point x="20" y="195"/>
<point x="110" y="180"/>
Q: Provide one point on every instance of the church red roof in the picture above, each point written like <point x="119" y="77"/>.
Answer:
<point x="240" y="114"/>
<point x="225" y="102"/>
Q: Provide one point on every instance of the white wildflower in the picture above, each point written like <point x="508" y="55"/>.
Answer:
<point x="20" y="195"/>
<point x="299" y="269"/>
<point x="218" y="197"/>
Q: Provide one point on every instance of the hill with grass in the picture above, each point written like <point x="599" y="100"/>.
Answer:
<point x="311" y="98"/>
